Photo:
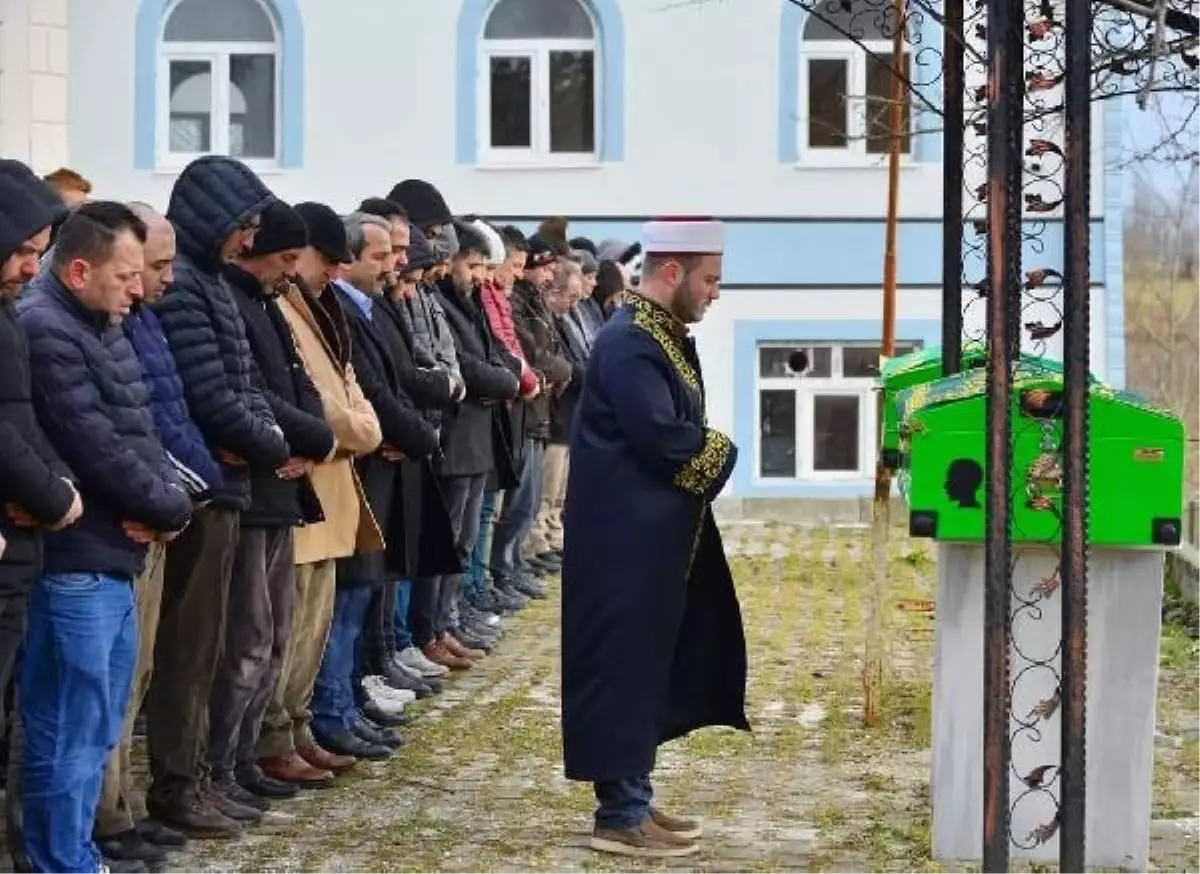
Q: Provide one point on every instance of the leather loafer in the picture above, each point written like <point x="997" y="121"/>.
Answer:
<point x="294" y="770"/>
<point x="348" y="743"/>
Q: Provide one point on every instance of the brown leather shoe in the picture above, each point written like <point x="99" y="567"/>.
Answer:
<point x="455" y="646"/>
<point x="323" y="760"/>
<point x="293" y="769"/>
<point x="440" y="655"/>
<point x="191" y="813"/>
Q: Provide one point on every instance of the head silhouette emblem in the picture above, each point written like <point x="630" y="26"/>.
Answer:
<point x="963" y="479"/>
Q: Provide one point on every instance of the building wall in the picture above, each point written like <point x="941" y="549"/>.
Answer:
<point x="34" y="70"/>
<point x="711" y="130"/>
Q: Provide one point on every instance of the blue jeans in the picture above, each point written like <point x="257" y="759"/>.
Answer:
<point x="80" y="654"/>
<point x="333" y="701"/>
<point x="520" y="509"/>
<point x="477" y="573"/>
<point x="400" y="622"/>
<point x="624" y="803"/>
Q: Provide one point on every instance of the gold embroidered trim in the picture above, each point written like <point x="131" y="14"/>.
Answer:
<point x="665" y="330"/>
<point x="703" y="468"/>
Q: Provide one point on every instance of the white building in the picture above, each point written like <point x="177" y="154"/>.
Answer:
<point x="604" y="111"/>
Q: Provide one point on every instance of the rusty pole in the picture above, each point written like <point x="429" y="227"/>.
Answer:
<point x="881" y="521"/>
<point x="1005" y="96"/>
<point x="1076" y="100"/>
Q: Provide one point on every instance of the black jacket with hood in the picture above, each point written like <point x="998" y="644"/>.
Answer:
<point x="31" y="473"/>
<point x="294" y="402"/>
<point x="212" y="198"/>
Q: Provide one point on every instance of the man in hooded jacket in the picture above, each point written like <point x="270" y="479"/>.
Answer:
<point x="36" y="488"/>
<point x="215" y="206"/>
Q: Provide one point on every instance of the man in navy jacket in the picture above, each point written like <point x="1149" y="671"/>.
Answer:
<point x="123" y="829"/>
<point x="92" y="403"/>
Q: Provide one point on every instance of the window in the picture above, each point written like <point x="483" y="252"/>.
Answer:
<point x="538" y="80"/>
<point x="219" y="82"/>
<point x="846" y="88"/>
<point x="820" y="424"/>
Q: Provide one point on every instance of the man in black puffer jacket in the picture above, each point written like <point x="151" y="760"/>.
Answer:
<point x="263" y="587"/>
<point x="90" y="398"/>
<point x="216" y="206"/>
<point x="35" y="487"/>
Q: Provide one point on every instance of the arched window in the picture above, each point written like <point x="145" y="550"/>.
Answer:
<point x="218" y="82"/>
<point x="846" y="83"/>
<point x="539" y="80"/>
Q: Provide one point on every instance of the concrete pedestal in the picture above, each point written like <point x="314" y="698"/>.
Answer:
<point x="1124" y="610"/>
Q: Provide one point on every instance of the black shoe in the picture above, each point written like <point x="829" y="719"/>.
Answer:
<point x="376" y="715"/>
<point x="228" y="789"/>
<point x="550" y="561"/>
<point x="346" y="743"/>
<point x="468" y="638"/>
<point x="398" y="678"/>
<point x="126" y="866"/>
<point x="130" y="846"/>
<point x="154" y="832"/>
<point x="507" y="588"/>
<point x="529" y="587"/>
<point x="508" y="600"/>
<point x="378" y="735"/>
<point x="257" y="783"/>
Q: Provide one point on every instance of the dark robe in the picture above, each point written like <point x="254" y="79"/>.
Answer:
<point x="652" y="641"/>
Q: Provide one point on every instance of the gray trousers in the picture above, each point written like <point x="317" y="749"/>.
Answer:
<point x="262" y="592"/>
<point x="464" y="502"/>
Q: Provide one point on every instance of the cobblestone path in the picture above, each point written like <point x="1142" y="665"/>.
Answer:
<point x="479" y="786"/>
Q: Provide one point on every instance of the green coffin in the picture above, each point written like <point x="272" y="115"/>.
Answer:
<point x="1135" y="475"/>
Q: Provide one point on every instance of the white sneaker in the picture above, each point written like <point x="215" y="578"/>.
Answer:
<point x="380" y="691"/>
<point x="389" y="706"/>
<point x="415" y="659"/>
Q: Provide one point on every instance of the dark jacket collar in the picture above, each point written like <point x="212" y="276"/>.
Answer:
<point x="245" y="281"/>
<point x="51" y="285"/>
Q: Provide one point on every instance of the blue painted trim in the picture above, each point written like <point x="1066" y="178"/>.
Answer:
<point x="747" y="334"/>
<point x="290" y="26"/>
<point x="610" y="41"/>
<point x="773" y="253"/>
<point x="791" y="25"/>
<point x="1114" y="243"/>
<point x="926" y="60"/>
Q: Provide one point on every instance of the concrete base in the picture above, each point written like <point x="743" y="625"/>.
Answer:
<point x="1124" y="610"/>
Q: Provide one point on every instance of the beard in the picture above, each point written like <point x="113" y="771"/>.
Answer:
<point x="463" y="286"/>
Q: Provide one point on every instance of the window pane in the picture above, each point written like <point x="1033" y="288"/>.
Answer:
<point x="777" y="433"/>
<point x="860" y="361"/>
<point x="820" y="363"/>
<point x="512" y="104"/>
<point x="835" y="432"/>
<point x="773" y="361"/>
<point x="572" y="102"/>
<point x="834" y="19"/>
<point x="879" y="103"/>
<point x="538" y="19"/>
<point x="191" y="107"/>
<point x="219" y="21"/>
<point x="252" y="106"/>
<point x="827" y="80"/>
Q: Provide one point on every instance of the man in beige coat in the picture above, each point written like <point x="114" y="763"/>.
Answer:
<point x="286" y="748"/>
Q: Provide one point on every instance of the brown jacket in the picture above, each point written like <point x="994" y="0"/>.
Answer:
<point x="349" y="526"/>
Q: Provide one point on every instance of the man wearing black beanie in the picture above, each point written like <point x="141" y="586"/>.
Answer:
<point x="35" y="485"/>
<point x="424" y="204"/>
<point x="262" y="588"/>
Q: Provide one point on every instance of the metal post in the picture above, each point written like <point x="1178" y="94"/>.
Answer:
<point x="1076" y="99"/>
<point x="952" y="185"/>
<point x="1005" y="97"/>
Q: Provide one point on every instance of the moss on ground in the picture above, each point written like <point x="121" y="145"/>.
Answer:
<point x="479" y="786"/>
